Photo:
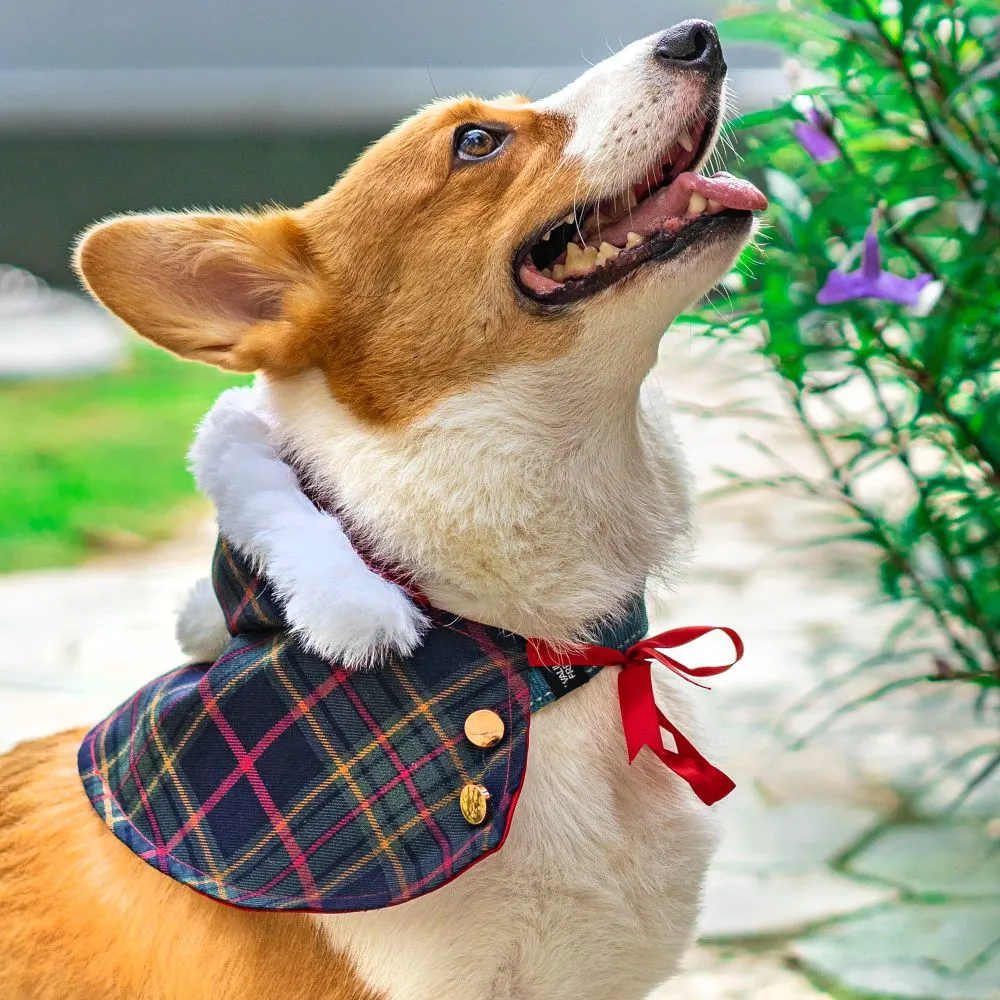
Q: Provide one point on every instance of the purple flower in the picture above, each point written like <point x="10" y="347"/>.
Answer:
<point x="815" y="137"/>
<point x="870" y="282"/>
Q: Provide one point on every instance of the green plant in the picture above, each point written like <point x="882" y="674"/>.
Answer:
<point x="896" y="126"/>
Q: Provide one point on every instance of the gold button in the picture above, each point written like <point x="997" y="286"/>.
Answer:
<point x="484" y="728"/>
<point x="472" y="802"/>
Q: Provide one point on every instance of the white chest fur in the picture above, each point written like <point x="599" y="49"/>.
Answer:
<point x="537" y="503"/>
<point x="593" y="897"/>
<point x="534" y="504"/>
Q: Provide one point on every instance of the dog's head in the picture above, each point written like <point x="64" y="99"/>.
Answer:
<point x="476" y="236"/>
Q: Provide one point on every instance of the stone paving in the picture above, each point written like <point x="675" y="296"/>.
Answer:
<point x="842" y="872"/>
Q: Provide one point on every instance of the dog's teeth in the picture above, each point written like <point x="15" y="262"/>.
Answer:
<point x="594" y="222"/>
<point x="570" y="219"/>
<point x="558" y="272"/>
<point x="686" y="141"/>
<point x="697" y="204"/>
<point x="575" y="263"/>
<point x="547" y="272"/>
<point x="546" y="236"/>
<point x="580" y="262"/>
<point x="632" y="240"/>
<point x="607" y="252"/>
<point x="715" y="206"/>
<point x="631" y="199"/>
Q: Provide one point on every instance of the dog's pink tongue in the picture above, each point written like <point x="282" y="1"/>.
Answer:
<point x="729" y="191"/>
<point x="671" y="203"/>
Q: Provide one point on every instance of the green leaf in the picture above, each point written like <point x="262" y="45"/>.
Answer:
<point x="963" y="152"/>
<point x="880" y="141"/>
<point x="754" y="119"/>
<point x="777" y="27"/>
<point x="908" y="11"/>
<point x="989" y="71"/>
<point x="983" y="680"/>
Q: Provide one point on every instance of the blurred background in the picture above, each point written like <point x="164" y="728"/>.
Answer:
<point x="108" y="105"/>
<point x="843" y="428"/>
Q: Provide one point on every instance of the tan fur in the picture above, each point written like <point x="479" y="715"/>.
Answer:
<point x="212" y="288"/>
<point x="81" y="918"/>
<point x="342" y="285"/>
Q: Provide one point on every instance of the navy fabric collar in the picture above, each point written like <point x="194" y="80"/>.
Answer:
<point x="250" y="613"/>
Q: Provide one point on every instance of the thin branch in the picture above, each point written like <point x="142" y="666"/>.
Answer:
<point x="990" y="464"/>
<point x="841" y="710"/>
<point x="897" y="557"/>
<point x="972" y="608"/>
<point x="984" y="773"/>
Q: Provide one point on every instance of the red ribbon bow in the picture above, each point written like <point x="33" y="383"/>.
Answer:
<point x="641" y="716"/>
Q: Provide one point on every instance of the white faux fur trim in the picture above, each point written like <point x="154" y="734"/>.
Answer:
<point x="337" y="606"/>
<point x="201" y="627"/>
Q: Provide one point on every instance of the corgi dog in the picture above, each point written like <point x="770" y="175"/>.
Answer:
<point x="450" y="348"/>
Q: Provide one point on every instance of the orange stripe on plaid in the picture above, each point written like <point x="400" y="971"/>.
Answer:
<point x="418" y="818"/>
<point x="202" y="715"/>
<point x="168" y="763"/>
<point x="331" y="753"/>
<point x="424" y="708"/>
<point x="365" y="752"/>
<point x="192" y="729"/>
<point x="274" y="815"/>
<point x="249" y="597"/>
<point x="421" y="817"/>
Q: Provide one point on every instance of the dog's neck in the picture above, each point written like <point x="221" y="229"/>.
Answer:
<point x="537" y="503"/>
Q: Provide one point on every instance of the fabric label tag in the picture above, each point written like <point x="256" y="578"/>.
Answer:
<point x="565" y="678"/>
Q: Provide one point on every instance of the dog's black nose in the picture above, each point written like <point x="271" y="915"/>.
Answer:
<point x="692" y="45"/>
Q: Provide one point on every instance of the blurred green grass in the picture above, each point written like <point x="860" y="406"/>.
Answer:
<point x="92" y="463"/>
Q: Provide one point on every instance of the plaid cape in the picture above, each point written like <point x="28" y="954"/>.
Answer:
<point x="273" y="779"/>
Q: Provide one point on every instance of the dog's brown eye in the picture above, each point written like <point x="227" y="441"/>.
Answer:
<point x="474" y="143"/>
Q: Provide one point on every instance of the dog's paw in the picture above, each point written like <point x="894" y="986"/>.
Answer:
<point x="355" y="623"/>
<point x="201" y="627"/>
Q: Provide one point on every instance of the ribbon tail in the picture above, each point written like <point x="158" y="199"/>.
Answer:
<point x="638" y="707"/>
<point x="642" y="720"/>
<point x="706" y="780"/>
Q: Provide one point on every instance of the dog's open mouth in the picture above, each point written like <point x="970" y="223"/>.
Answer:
<point x="596" y="245"/>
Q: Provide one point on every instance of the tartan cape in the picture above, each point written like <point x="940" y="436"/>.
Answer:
<point x="273" y="779"/>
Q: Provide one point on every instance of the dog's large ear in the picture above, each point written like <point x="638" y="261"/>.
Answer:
<point x="217" y="288"/>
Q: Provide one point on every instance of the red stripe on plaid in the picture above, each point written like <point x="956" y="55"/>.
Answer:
<point x="178" y="697"/>
<point x="246" y="765"/>
<point x="233" y="618"/>
<point x="345" y="820"/>
<point x="404" y="772"/>
<point x="265" y="741"/>
<point x="126" y="705"/>
<point x="147" y="808"/>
